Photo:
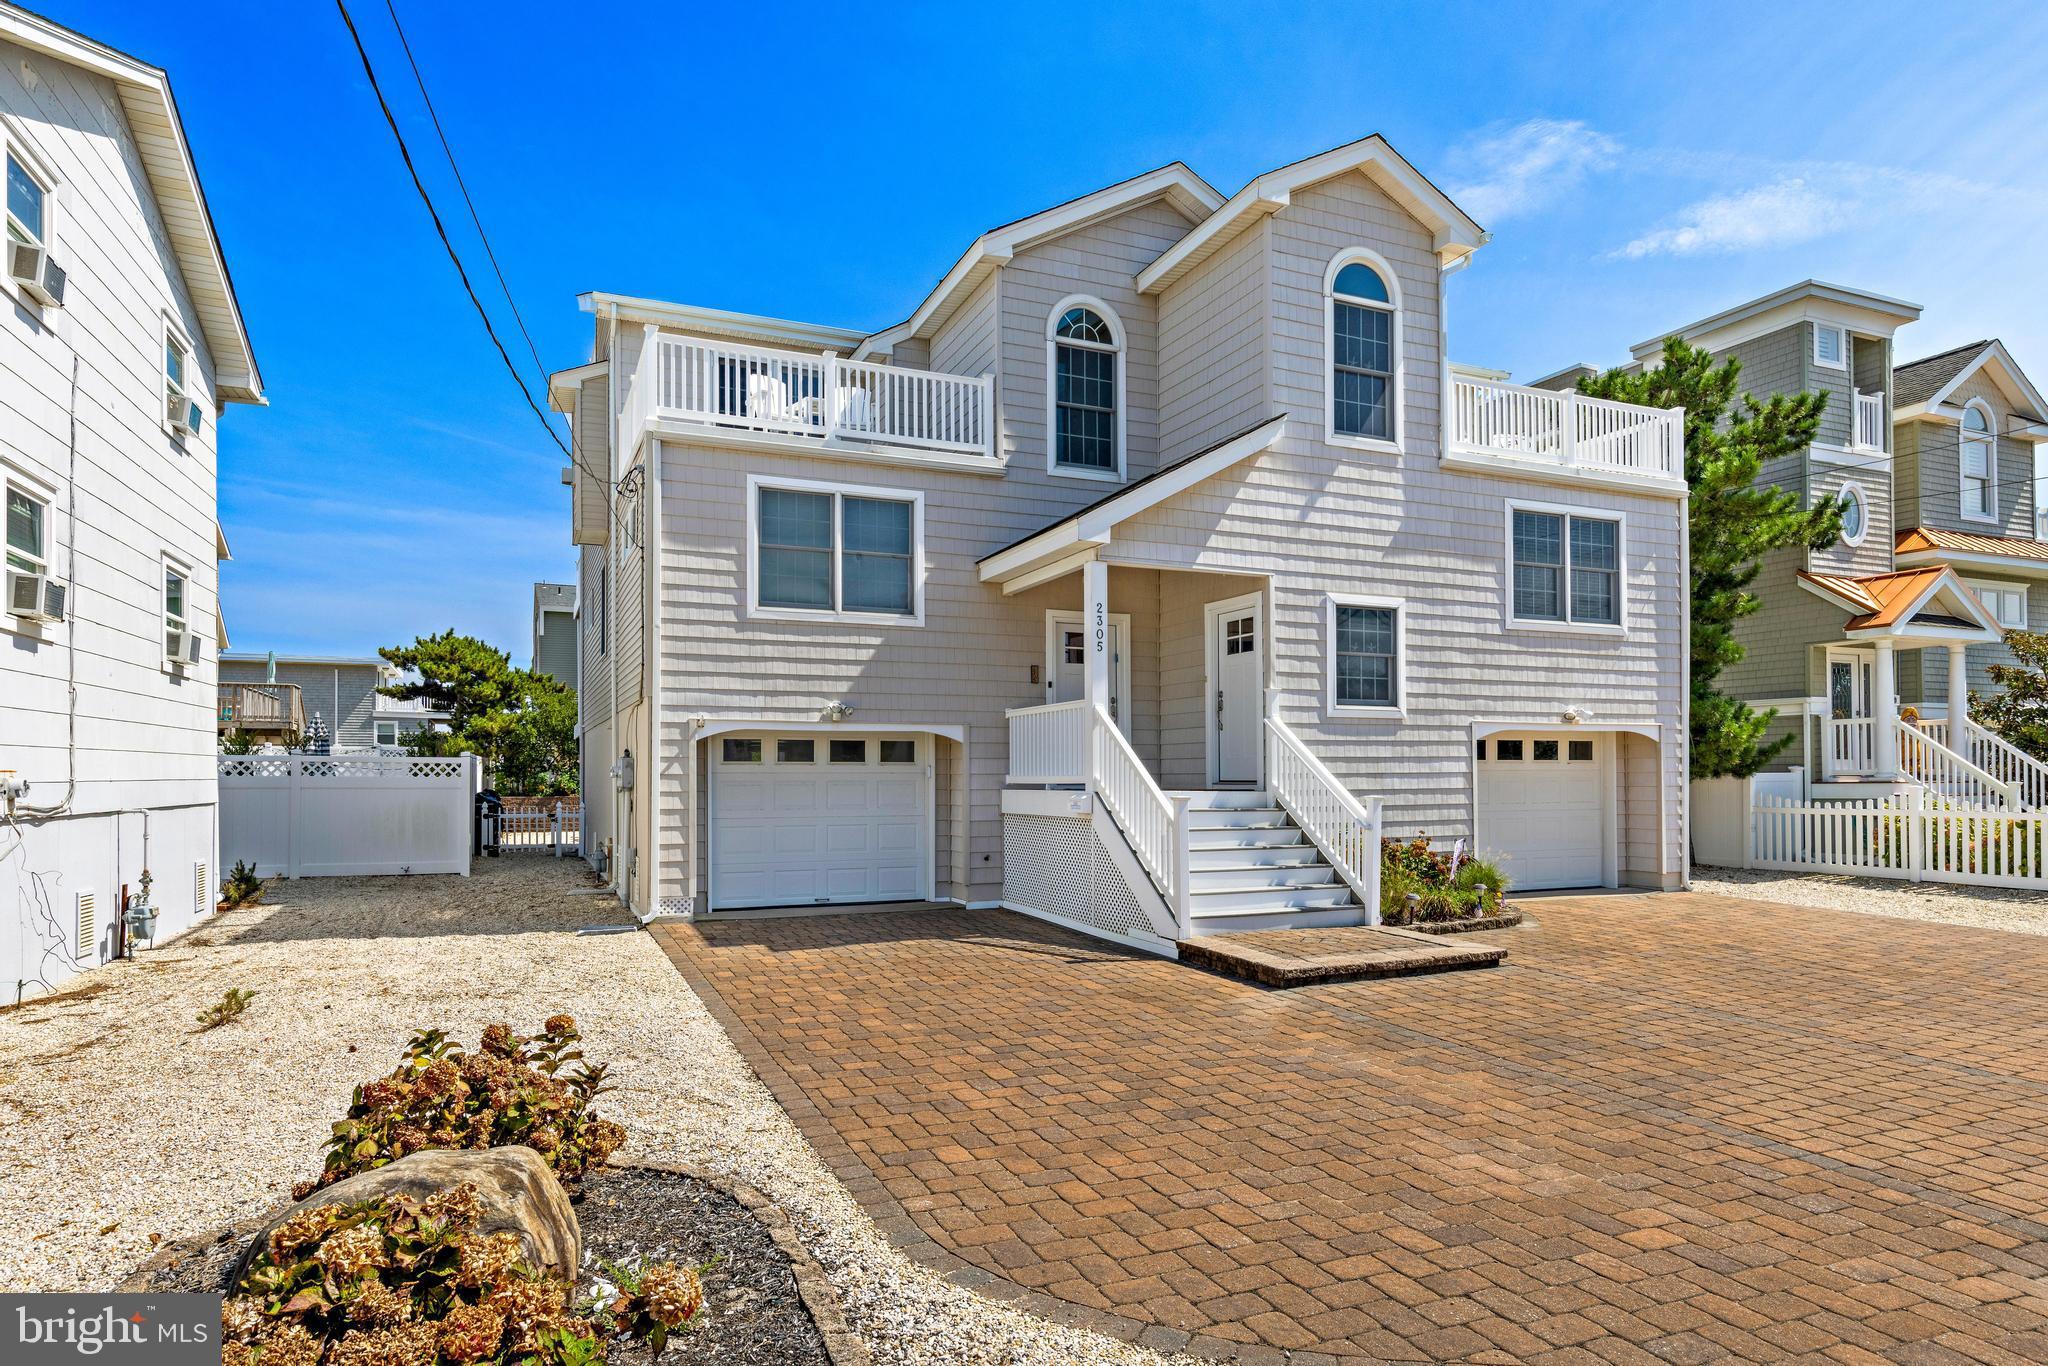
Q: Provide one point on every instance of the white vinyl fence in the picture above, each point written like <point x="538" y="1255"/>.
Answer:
<point x="305" y="816"/>
<point x="1915" y="837"/>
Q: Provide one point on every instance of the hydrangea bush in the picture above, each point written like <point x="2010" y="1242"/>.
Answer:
<point x="535" y="1091"/>
<point x="1446" y="887"/>
<point x="404" y="1282"/>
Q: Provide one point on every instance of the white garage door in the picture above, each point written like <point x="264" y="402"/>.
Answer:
<point x="802" y="820"/>
<point x="1543" y="808"/>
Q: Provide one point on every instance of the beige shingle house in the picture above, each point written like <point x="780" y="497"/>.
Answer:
<point x="1143" y="576"/>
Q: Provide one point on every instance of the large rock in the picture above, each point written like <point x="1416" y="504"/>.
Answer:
<point x="515" y="1188"/>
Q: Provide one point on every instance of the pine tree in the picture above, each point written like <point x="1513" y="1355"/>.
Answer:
<point x="1734" y="523"/>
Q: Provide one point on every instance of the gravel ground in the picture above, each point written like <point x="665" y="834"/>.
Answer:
<point x="121" y="1124"/>
<point x="1987" y="908"/>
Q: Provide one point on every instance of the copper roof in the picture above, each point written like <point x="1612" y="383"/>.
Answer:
<point x="1919" y="538"/>
<point x="1886" y="599"/>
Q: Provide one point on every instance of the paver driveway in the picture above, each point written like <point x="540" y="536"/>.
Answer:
<point x="1675" y="1127"/>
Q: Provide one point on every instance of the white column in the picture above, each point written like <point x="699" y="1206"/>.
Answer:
<point x="1958" y="698"/>
<point x="1884" y="711"/>
<point x="1095" y="622"/>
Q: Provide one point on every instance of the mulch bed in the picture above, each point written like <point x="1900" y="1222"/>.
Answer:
<point x="1505" y="920"/>
<point x="766" y="1303"/>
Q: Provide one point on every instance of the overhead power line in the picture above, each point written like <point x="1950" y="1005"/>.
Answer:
<point x="448" y="246"/>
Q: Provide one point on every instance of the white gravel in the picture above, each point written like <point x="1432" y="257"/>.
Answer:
<point x="119" y="1121"/>
<point x="1942" y="903"/>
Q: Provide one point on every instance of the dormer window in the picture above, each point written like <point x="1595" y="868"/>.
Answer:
<point x="1087" y="366"/>
<point x="1363" y="318"/>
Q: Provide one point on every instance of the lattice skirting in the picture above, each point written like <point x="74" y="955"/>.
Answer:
<point x="1057" y="865"/>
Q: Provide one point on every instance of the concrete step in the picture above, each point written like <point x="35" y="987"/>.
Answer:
<point x="1238" y="818"/>
<point x="1233" y="877"/>
<point x="1300" y="855"/>
<point x="1248" y="837"/>
<point x="1239" y="896"/>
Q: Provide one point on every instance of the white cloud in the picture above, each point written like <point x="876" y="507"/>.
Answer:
<point x="1778" y="214"/>
<point x="1527" y="166"/>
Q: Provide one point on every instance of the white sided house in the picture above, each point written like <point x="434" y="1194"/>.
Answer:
<point x="1140" y="579"/>
<point x="120" y="345"/>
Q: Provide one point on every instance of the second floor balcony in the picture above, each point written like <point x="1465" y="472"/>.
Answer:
<point x="811" y="397"/>
<point x="261" y="708"/>
<point x="1868" y="424"/>
<point x="1563" y="437"/>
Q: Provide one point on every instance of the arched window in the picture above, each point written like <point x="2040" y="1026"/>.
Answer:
<point x="1087" y="375"/>
<point x="1855" y="515"/>
<point x="1364" y="328"/>
<point x="1979" y="463"/>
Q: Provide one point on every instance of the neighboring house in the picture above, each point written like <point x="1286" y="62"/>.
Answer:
<point x="120" y="345"/>
<point x="1123" y="579"/>
<point x="1849" y="636"/>
<point x="554" y="631"/>
<point x="340" y="690"/>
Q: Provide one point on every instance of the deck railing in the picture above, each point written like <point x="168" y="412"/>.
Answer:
<point x="1346" y="830"/>
<point x="1869" y="424"/>
<point x="809" y="395"/>
<point x="1568" y="430"/>
<point x="261" y="707"/>
<point x="1049" y="744"/>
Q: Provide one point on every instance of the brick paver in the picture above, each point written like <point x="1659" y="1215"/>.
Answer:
<point x="1676" y="1128"/>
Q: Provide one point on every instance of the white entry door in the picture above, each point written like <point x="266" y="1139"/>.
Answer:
<point x="1237" y="674"/>
<point x="1066" y="662"/>
<point x="800" y="820"/>
<point x="1545" y="808"/>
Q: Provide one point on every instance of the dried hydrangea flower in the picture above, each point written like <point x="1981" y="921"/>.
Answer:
<point x="353" y="1251"/>
<point x="410" y="1344"/>
<point x="288" y="1345"/>
<point x="559" y="1024"/>
<point x="671" y="1294"/>
<point x="300" y="1230"/>
<point x="529" y="1307"/>
<point x="471" y="1332"/>
<point x="378" y="1306"/>
<point x="484" y="1261"/>
<point x="498" y="1040"/>
<point x="242" y="1318"/>
<point x="459" y="1205"/>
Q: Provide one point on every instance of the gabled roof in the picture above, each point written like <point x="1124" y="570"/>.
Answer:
<point x="1923" y="388"/>
<point x="1885" y="604"/>
<point x="1857" y="309"/>
<point x="1193" y="196"/>
<point x="1456" y="234"/>
<point x="152" y="114"/>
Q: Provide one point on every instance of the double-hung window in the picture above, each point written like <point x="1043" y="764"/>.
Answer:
<point x="1566" y="568"/>
<point x="2007" y="602"/>
<point x="180" y="413"/>
<point x="1085" y="356"/>
<point x="1365" y="664"/>
<point x="834" y="550"/>
<point x="1364" y="335"/>
<point x="1979" y="465"/>
<point x="26" y="519"/>
<point x="28" y="204"/>
<point x="177" y="597"/>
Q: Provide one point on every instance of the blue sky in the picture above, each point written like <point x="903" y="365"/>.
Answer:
<point x="1640" y="166"/>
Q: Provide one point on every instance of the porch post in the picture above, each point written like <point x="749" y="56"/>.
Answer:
<point x="1095" y="615"/>
<point x="1884" y="713"/>
<point x="1958" y="697"/>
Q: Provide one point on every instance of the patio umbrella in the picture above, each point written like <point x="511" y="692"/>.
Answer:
<point x="270" y="667"/>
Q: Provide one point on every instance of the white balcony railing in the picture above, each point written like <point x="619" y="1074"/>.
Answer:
<point x="1049" y="744"/>
<point x="1869" y="432"/>
<point x="809" y="395"/>
<point x="1569" y="431"/>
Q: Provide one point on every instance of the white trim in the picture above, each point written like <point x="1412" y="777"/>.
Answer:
<point x="1120" y="419"/>
<point x="1989" y="440"/>
<point x="1862" y="313"/>
<point x="895" y="457"/>
<point x="1853" y="457"/>
<point x="914" y="497"/>
<point x="1841" y="362"/>
<point x="1055" y="617"/>
<point x="1619" y="626"/>
<point x="1353" y="711"/>
<point x="1862" y="502"/>
<point x="188" y="388"/>
<point x="1563" y="476"/>
<point x="2010" y="379"/>
<point x="1212" y="612"/>
<point x="167" y="562"/>
<point x="1397" y="384"/>
<point x="1978" y="587"/>
<point x="2010" y="564"/>
<point x="15" y="142"/>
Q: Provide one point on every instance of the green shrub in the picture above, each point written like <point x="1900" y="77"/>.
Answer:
<point x="1475" y="873"/>
<point x="229" y="1007"/>
<point x="399" y="1280"/>
<point x="241" y="887"/>
<point x="515" y="1090"/>
<point x="1443" y="892"/>
<point x="1396" y="882"/>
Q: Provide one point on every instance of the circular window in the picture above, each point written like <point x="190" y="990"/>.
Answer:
<point x="1855" y="517"/>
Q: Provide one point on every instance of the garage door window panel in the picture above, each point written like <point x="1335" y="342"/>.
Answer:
<point x="837" y="552"/>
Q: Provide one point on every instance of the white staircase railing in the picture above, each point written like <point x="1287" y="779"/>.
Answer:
<point x="1998" y="757"/>
<point x="1949" y="774"/>
<point x="1850" y="746"/>
<point x="1155" y="825"/>
<point x="1049" y="744"/>
<point x="1346" y="830"/>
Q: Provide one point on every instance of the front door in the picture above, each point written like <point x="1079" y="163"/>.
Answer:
<point x="1237" y="675"/>
<point x="1066" y="665"/>
<point x="1851" y="743"/>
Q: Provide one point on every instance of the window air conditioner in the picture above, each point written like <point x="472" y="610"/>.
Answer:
<point x="31" y="267"/>
<point x="35" y="596"/>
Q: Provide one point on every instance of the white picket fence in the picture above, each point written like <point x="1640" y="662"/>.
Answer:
<point x="341" y="815"/>
<point x="1917" y="837"/>
<point x="555" y="830"/>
